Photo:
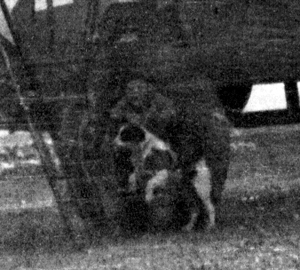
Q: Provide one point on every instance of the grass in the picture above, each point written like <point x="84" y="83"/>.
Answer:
<point x="251" y="236"/>
<point x="259" y="224"/>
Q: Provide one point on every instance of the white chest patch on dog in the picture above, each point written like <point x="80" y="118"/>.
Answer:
<point x="202" y="181"/>
<point x="159" y="180"/>
<point x="153" y="142"/>
<point x="203" y="186"/>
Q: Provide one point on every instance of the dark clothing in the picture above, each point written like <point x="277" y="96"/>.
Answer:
<point x="155" y="117"/>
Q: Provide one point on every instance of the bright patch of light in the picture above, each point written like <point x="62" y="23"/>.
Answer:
<point x="4" y="30"/>
<point x="42" y="4"/>
<point x="11" y="3"/>
<point x="298" y="86"/>
<point x="266" y="97"/>
<point x="57" y="3"/>
<point x="4" y="133"/>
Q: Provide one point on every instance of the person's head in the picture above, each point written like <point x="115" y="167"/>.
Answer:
<point x="139" y="93"/>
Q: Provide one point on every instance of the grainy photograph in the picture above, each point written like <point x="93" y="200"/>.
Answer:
<point x="149" y="134"/>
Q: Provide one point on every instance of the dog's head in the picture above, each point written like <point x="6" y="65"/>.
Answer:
<point x="154" y="153"/>
<point x="130" y="136"/>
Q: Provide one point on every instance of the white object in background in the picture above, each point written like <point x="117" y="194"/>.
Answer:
<point x="266" y="97"/>
<point x="4" y="29"/>
<point x="16" y="139"/>
<point x="57" y="3"/>
<point x="4" y="133"/>
<point x="40" y="5"/>
<point x="16" y="149"/>
<point x="11" y="4"/>
<point x="298" y="86"/>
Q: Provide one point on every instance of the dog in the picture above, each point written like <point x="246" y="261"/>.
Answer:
<point x="155" y="164"/>
<point x="150" y="156"/>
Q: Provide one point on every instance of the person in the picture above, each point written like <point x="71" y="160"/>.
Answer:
<point x="143" y="105"/>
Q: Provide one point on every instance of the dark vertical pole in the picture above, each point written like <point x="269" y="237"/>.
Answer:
<point x="51" y="25"/>
<point x="91" y="18"/>
<point x="91" y="31"/>
<point x="87" y="33"/>
<point x="292" y="96"/>
<point x="32" y="11"/>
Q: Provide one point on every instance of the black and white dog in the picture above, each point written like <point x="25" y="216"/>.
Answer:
<point x="150" y="157"/>
<point x="200" y="174"/>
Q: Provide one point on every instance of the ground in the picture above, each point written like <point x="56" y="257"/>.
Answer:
<point x="259" y="225"/>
